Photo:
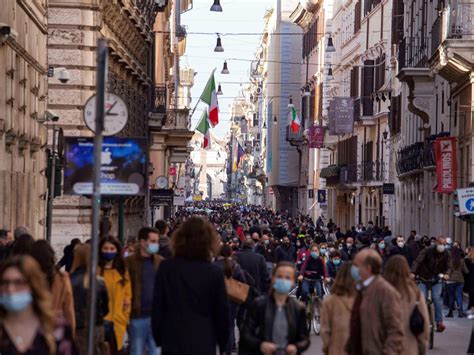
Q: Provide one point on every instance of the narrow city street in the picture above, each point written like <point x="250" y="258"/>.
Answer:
<point x="453" y="341"/>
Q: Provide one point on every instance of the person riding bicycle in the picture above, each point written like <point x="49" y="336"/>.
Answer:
<point x="311" y="274"/>
<point x="432" y="266"/>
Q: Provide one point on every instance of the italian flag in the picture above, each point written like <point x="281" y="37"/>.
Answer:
<point x="203" y="127"/>
<point x="209" y="96"/>
<point x="295" y="120"/>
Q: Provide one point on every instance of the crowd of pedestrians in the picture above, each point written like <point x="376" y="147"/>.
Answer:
<point x="222" y="279"/>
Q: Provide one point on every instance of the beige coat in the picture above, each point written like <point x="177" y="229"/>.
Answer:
<point x="63" y="301"/>
<point x="381" y="318"/>
<point x="415" y="345"/>
<point x="335" y="322"/>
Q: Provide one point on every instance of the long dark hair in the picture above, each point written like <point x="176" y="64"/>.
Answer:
<point x="195" y="239"/>
<point x="457" y="257"/>
<point x="43" y="253"/>
<point x="118" y="262"/>
<point x="226" y="253"/>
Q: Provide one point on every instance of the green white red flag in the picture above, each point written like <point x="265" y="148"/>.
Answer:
<point x="209" y="96"/>
<point x="203" y="127"/>
<point x="294" y="119"/>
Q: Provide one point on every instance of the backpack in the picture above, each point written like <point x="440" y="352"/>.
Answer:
<point x="417" y="322"/>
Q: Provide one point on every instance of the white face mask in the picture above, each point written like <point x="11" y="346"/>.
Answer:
<point x="401" y="244"/>
<point x="441" y="248"/>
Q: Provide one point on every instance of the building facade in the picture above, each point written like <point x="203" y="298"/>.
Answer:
<point x="23" y="93"/>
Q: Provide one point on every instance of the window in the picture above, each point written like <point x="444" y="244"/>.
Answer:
<point x="354" y="89"/>
<point x="379" y="72"/>
<point x="357" y="20"/>
<point x="367" y="87"/>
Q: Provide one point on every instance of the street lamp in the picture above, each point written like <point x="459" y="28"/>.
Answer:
<point x="330" y="48"/>
<point x="225" y="69"/>
<point x="330" y="76"/>
<point x="219" y="47"/>
<point x="219" y="90"/>
<point x="216" y="7"/>
<point x="385" y="135"/>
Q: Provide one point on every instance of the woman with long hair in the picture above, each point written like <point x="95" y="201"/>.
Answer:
<point x="397" y="273"/>
<point x="231" y="270"/>
<point x="117" y="281"/>
<point x="27" y="321"/>
<point x="58" y="282"/>
<point x="276" y="323"/>
<point x="80" y="281"/>
<point x="336" y="312"/>
<point x="455" y="283"/>
<point x="190" y="307"/>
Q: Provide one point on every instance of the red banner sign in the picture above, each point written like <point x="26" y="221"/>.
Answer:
<point x="446" y="167"/>
<point x="316" y="137"/>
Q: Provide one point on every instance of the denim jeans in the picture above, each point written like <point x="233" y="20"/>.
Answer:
<point x="455" y="295"/>
<point x="307" y="285"/>
<point x="141" y="337"/>
<point x="438" y="302"/>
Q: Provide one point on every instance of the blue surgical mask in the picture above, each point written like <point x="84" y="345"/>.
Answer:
<point x="153" y="248"/>
<point x="282" y="286"/>
<point x="324" y="251"/>
<point x="314" y="254"/>
<point x="355" y="273"/>
<point x="108" y="256"/>
<point x="336" y="261"/>
<point x="16" y="302"/>
<point x="382" y="246"/>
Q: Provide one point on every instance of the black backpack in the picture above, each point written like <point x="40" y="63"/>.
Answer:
<point x="417" y="322"/>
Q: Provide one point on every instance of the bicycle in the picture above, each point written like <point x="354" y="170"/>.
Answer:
<point x="313" y="309"/>
<point x="430" y="304"/>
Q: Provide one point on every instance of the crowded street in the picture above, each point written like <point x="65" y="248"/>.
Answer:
<point x="236" y="177"/>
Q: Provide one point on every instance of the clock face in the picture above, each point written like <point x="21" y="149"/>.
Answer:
<point x="115" y="114"/>
<point x="161" y="182"/>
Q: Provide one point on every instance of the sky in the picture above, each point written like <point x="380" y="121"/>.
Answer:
<point x="238" y="16"/>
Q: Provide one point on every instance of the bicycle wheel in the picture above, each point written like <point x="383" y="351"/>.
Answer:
<point x="432" y="323"/>
<point x="316" y="319"/>
<point x="309" y="314"/>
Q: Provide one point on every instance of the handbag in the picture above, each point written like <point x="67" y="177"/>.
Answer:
<point x="236" y="291"/>
<point x="417" y="322"/>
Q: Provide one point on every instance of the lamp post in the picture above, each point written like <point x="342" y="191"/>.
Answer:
<point x="52" y="182"/>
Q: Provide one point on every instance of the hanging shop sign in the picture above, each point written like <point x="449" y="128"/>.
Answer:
<point x="322" y="197"/>
<point x="161" y="197"/>
<point x="342" y="112"/>
<point x="446" y="167"/>
<point x="316" y="137"/>
<point x="123" y="166"/>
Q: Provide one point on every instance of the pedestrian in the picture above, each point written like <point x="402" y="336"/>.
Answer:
<point x="80" y="280"/>
<point x="190" y="307"/>
<point x="231" y="269"/>
<point x="269" y="252"/>
<point x="334" y="264"/>
<point x="432" y="262"/>
<point x="276" y="323"/>
<point x="68" y="255"/>
<point x="254" y="264"/>
<point x="165" y="241"/>
<point x="285" y="252"/>
<point x="336" y="313"/>
<point x="375" y="326"/>
<point x="6" y="240"/>
<point x="143" y="266"/>
<point x="469" y="278"/>
<point x="455" y="282"/>
<point x="349" y="250"/>
<point x="119" y="290"/>
<point x="402" y="249"/>
<point x="397" y="273"/>
<point x="28" y="324"/>
<point x="23" y="245"/>
<point x="58" y="282"/>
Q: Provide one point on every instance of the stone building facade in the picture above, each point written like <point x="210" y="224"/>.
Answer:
<point x="74" y="27"/>
<point x="23" y="91"/>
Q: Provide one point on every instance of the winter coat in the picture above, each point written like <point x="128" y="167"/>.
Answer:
<point x="469" y="278"/>
<point x="381" y="319"/>
<point x="255" y="265"/>
<point x="258" y="326"/>
<point x="335" y="323"/>
<point x="285" y="254"/>
<point x="63" y="300"/>
<point x="430" y="263"/>
<point x="405" y="251"/>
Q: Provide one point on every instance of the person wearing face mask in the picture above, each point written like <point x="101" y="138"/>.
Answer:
<point x="349" y="250"/>
<point x="311" y="274"/>
<point x="402" y="249"/>
<point x="377" y="306"/>
<point x="28" y="322"/>
<point x="455" y="283"/>
<point x="430" y="264"/>
<point x="334" y="264"/>
<point x="142" y="267"/>
<point x="285" y="252"/>
<point x="276" y="323"/>
<point x="382" y="249"/>
<point x="269" y="252"/>
<point x="117" y="281"/>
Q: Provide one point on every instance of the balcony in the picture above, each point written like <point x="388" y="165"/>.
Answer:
<point x="159" y="99"/>
<point x="414" y="53"/>
<point x="295" y="138"/>
<point x="418" y="156"/>
<point x="453" y="41"/>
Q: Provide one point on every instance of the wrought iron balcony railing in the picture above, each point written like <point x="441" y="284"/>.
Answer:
<point x="159" y="99"/>
<point x="414" y="52"/>
<point x="294" y="137"/>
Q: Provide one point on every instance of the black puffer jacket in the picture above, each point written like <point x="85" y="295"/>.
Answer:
<point x="81" y="299"/>
<point x="430" y="263"/>
<point x="258" y="325"/>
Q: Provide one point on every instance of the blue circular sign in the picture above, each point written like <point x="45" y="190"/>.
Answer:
<point x="470" y="205"/>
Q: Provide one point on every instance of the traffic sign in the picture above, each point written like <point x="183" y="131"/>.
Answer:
<point x="466" y="201"/>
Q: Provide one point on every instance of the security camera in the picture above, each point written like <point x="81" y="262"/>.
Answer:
<point x="51" y="116"/>
<point x="64" y="76"/>
<point x="5" y="30"/>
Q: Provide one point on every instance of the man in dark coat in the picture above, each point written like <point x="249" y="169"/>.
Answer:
<point x="349" y="250"/>
<point x="286" y="251"/>
<point x="402" y="249"/>
<point x="254" y="264"/>
<point x="68" y="256"/>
